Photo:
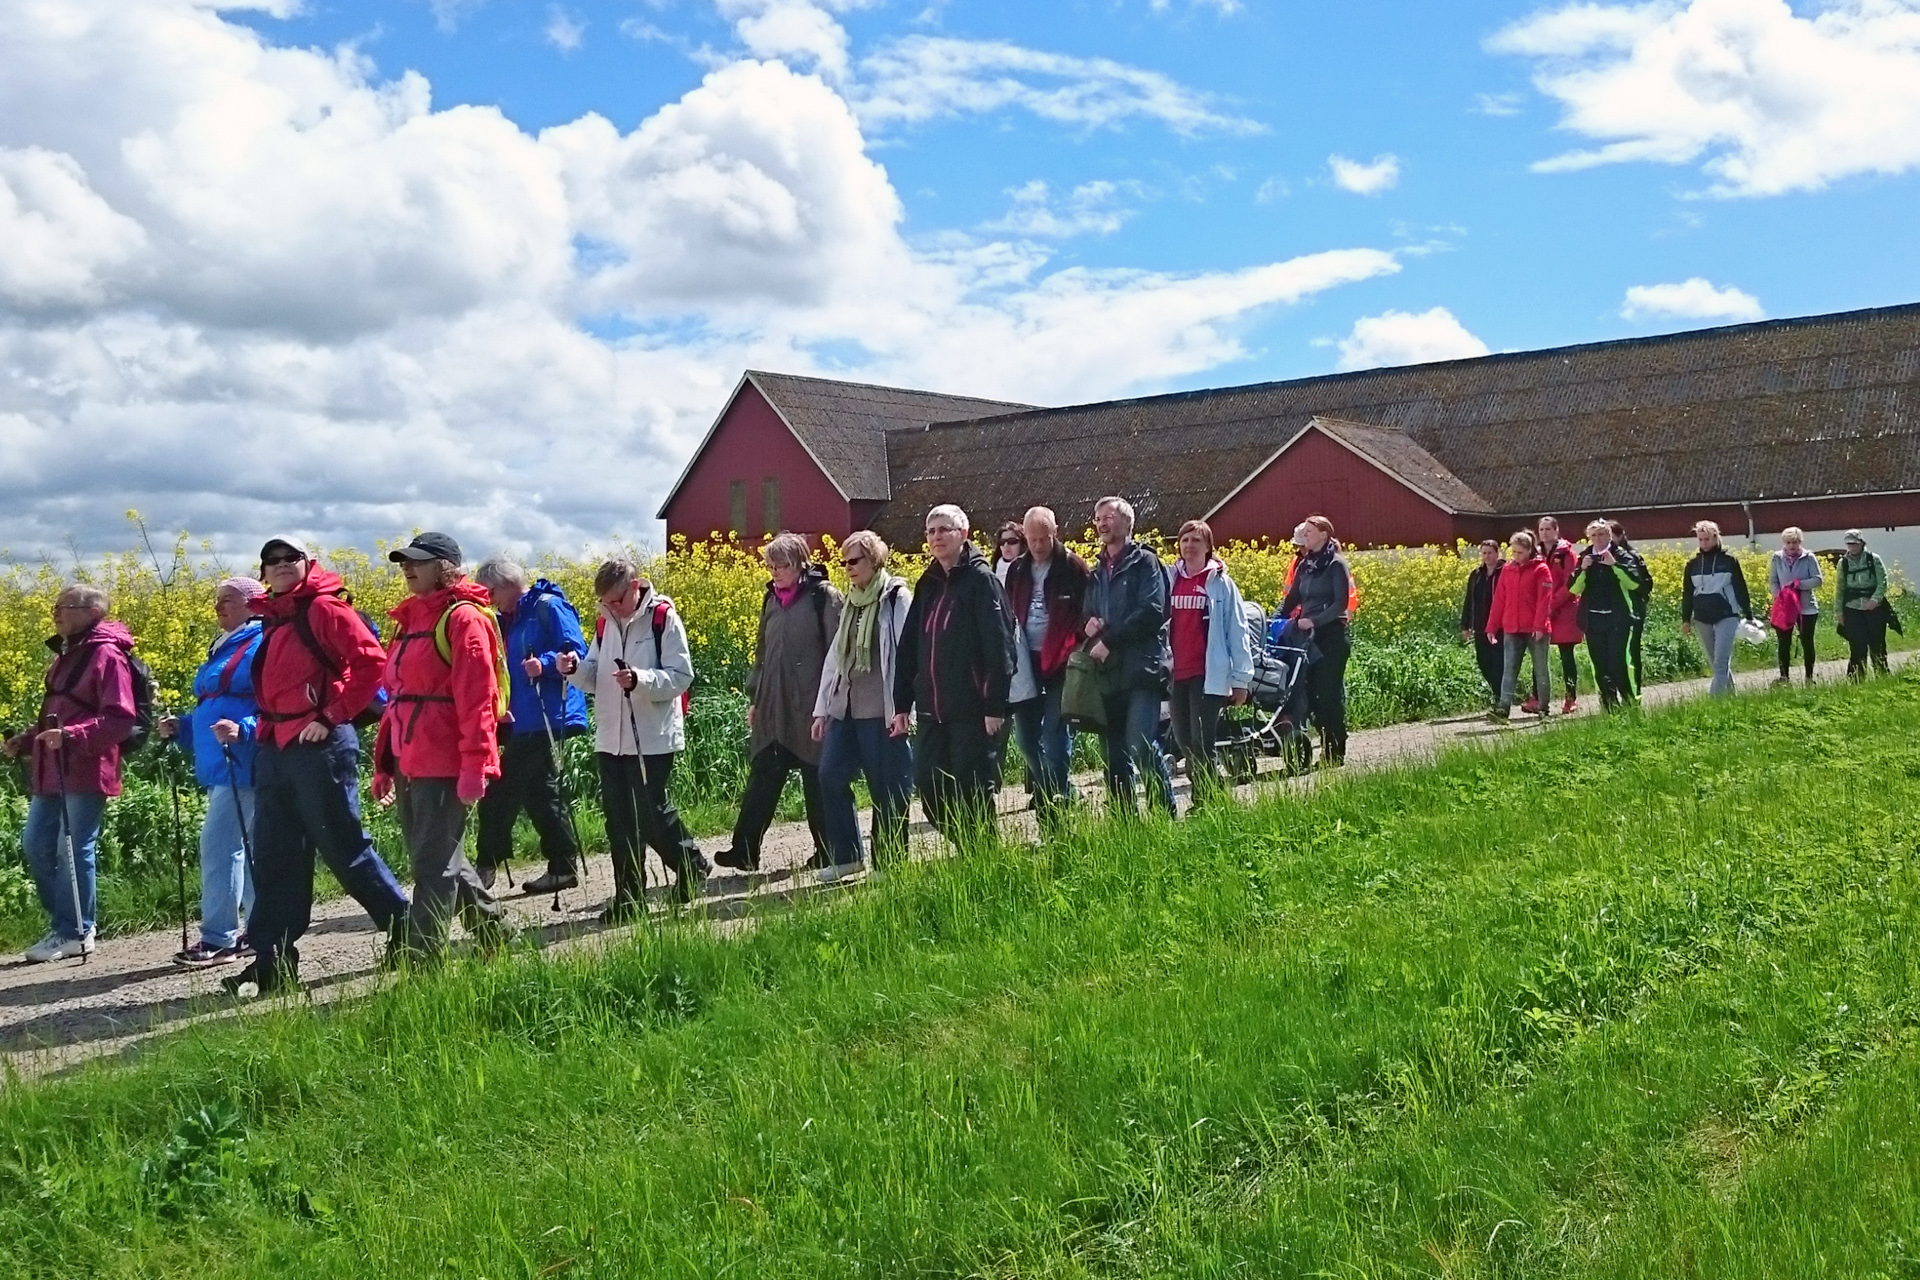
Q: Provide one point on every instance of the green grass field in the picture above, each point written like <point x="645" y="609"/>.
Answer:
<point x="1635" y="997"/>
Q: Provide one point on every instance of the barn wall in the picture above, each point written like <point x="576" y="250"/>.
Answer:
<point x="751" y="444"/>
<point x="1316" y="476"/>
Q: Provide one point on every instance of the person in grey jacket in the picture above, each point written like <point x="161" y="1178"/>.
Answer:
<point x="1212" y="659"/>
<point x="1317" y="602"/>
<point x="1126" y="629"/>
<point x="1713" y="600"/>
<point x="798" y="616"/>
<point x="1796" y="567"/>
<point x="855" y="706"/>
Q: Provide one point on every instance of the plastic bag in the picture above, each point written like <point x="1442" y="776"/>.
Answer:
<point x="1752" y="632"/>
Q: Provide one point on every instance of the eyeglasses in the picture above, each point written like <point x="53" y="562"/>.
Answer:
<point x="940" y="528"/>
<point x="848" y="562"/>
<point x="269" y="562"/>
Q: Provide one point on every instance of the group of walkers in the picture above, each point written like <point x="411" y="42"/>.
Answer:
<point x="913" y="689"/>
<point x="1548" y="594"/>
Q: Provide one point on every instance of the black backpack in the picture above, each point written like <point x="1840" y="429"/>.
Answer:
<point x="145" y="703"/>
<point x="303" y="628"/>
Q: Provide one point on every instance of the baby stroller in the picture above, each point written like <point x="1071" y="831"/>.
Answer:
<point x="1277" y="697"/>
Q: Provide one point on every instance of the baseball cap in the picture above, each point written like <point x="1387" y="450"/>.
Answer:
<point x="281" y="544"/>
<point x="1853" y="535"/>
<point x="428" y="546"/>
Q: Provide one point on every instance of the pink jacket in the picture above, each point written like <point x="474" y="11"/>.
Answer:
<point x="90" y="692"/>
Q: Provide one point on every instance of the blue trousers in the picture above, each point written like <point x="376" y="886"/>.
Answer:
<point x="226" y="882"/>
<point x="46" y="840"/>
<point x="307" y="801"/>
<point x="1045" y="742"/>
<point x="1132" y="741"/>
<point x="853" y="748"/>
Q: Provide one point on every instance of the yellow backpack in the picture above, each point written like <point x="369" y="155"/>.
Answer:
<point x="444" y="647"/>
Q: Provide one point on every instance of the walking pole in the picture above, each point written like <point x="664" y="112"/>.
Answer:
<point x="566" y="799"/>
<point x="240" y="816"/>
<point x="633" y="724"/>
<point x="66" y="842"/>
<point x="179" y="858"/>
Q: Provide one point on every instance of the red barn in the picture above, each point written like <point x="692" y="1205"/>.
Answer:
<point x="1807" y="421"/>
<point x="806" y="454"/>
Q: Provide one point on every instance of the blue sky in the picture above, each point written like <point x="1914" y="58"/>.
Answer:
<point x="419" y="262"/>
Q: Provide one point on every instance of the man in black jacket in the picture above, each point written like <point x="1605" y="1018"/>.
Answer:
<point x="952" y="668"/>
<point x="1126" y="626"/>
<point x="1474" y="609"/>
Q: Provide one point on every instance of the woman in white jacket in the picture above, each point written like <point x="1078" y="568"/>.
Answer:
<point x="855" y="707"/>
<point x="638" y="669"/>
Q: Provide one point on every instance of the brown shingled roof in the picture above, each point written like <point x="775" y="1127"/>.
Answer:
<point x="844" y="424"/>
<point x="1809" y="407"/>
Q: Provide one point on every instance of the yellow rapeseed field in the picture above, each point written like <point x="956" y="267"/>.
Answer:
<point x="166" y="598"/>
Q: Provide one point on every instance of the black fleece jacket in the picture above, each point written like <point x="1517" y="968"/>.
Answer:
<point x="956" y="656"/>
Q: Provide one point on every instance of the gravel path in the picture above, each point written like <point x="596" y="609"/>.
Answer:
<point x="54" y="1016"/>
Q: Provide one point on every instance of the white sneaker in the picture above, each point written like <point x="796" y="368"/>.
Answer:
<point x="55" y="947"/>
<point x="834" y="872"/>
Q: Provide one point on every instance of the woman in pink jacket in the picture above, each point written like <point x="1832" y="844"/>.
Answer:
<point x="1521" y="621"/>
<point x="1560" y="559"/>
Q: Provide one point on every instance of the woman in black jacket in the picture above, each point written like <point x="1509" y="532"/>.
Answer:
<point x="1475" y="606"/>
<point x="1713" y="601"/>
<point x="1317" y="602"/>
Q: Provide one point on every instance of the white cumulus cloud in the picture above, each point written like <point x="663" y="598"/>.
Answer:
<point x="1364" y="178"/>
<point x="1090" y="208"/>
<point x="1407" y="337"/>
<point x="1766" y="99"/>
<point x="1691" y="299"/>
<point x="248" y="287"/>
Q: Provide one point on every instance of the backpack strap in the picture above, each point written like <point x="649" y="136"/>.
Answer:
<point x="661" y="608"/>
<point x="443" y="645"/>
<point x="230" y="669"/>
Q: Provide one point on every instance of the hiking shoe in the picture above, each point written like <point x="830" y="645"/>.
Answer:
<point x="623" y="909"/>
<point x="542" y="885"/>
<point x="55" y="947"/>
<point x="1498" y="716"/>
<point x="259" y="979"/>
<point x="834" y="872"/>
<point x="1568" y="707"/>
<point x="736" y="860"/>
<point x="202" y="956"/>
<point x="1531" y="706"/>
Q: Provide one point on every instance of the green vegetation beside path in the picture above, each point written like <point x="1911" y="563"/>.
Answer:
<point x="1635" y="996"/>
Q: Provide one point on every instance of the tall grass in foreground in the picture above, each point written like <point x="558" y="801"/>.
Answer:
<point x="1632" y="998"/>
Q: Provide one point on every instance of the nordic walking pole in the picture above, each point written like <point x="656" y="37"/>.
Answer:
<point x="66" y="842"/>
<point x="566" y="798"/>
<point x="179" y="857"/>
<point x="240" y="816"/>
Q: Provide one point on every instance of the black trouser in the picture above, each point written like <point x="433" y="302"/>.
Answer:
<point x="1196" y="723"/>
<point x="1608" y="635"/>
<point x="1492" y="659"/>
<point x="1635" y="634"/>
<point x="1866" y="638"/>
<point x="307" y="801"/>
<point x="766" y="779"/>
<point x="1327" y="687"/>
<point x="953" y="769"/>
<point x="527" y="781"/>
<point x="1783" y="639"/>
<point x="1569" y="669"/>
<point x="623" y="784"/>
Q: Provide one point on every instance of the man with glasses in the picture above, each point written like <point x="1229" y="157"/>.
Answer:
<point x="956" y="659"/>
<point x="317" y="670"/>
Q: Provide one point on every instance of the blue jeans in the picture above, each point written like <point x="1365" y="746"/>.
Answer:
<point x="46" y="841"/>
<point x="1132" y="738"/>
<point x="226" y="882"/>
<point x="853" y="748"/>
<point x="1045" y="742"/>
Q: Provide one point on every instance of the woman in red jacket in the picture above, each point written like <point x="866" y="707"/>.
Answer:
<point x="439" y="745"/>
<point x="1521" y="621"/>
<point x="1565" y="632"/>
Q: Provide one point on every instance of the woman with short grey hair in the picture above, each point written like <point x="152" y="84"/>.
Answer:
<point x="798" y="617"/>
<point x="1793" y="575"/>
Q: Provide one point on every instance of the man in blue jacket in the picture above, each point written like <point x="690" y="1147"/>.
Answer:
<point x="537" y="625"/>
<point x="1126" y="629"/>
<point x="218" y="737"/>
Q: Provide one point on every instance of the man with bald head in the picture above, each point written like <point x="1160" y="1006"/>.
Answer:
<point x="1045" y="588"/>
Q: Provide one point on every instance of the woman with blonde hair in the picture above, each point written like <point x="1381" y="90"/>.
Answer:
<point x="1793" y="575"/>
<point x="1713" y="601"/>
<point x="851" y="715"/>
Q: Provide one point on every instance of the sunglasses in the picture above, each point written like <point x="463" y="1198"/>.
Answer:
<point x="848" y="562"/>
<point x="1012" y="542"/>
<point x="270" y="561"/>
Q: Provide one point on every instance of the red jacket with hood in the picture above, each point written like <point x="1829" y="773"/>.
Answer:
<point x="90" y="689"/>
<point x="294" y="687"/>
<point x="1522" y="599"/>
<point x="442" y="717"/>
<point x="1560" y="560"/>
